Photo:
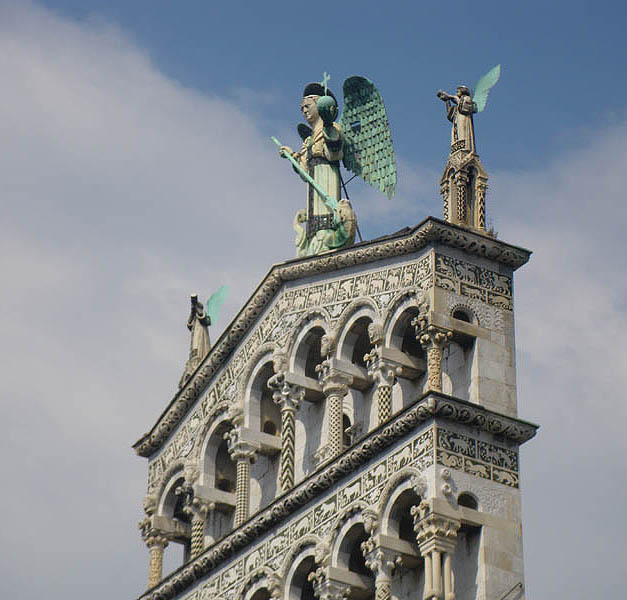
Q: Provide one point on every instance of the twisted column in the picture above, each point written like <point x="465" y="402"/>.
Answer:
<point x="243" y="453"/>
<point x="156" y="542"/>
<point x="436" y="536"/>
<point x="199" y="509"/>
<point x="382" y="563"/>
<point x="334" y="386"/>
<point x="288" y="397"/>
<point x="434" y="340"/>
<point x="480" y="191"/>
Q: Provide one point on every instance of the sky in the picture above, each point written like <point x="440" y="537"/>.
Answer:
<point x="136" y="168"/>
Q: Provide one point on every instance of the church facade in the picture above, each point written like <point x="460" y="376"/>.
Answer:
<point x="353" y="433"/>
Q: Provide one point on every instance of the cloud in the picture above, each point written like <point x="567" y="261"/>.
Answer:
<point x="124" y="191"/>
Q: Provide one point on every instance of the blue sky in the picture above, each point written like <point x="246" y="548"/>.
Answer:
<point x="561" y="61"/>
<point x="136" y="168"/>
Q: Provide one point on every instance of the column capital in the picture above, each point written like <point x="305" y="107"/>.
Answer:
<point x="240" y="449"/>
<point x="152" y="537"/>
<point x="380" y="370"/>
<point x="434" y="531"/>
<point x="381" y="561"/>
<point x="333" y="380"/>
<point x="433" y="336"/>
<point x="287" y="395"/>
<point x="326" y="588"/>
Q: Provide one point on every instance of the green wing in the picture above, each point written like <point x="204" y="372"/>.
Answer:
<point x="215" y="302"/>
<point x="368" y="150"/>
<point x="485" y="84"/>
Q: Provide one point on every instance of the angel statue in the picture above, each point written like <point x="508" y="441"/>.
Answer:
<point x="461" y="107"/>
<point x="361" y="140"/>
<point x="464" y="181"/>
<point x="198" y="323"/>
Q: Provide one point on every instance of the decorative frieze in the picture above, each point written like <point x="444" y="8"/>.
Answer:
<point x="472" y="281"/>
<point x="278" y="321"/>
<point x="477" y="457"/>
<point x="364" y="490"/>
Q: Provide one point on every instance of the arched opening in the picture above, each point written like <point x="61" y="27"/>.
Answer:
<point x="357" y="342"/>
<point x="308" y="355"/>
<point x="261" y="595"/>
<point x="462" y="315"/>
<point x="300" y="587"/>
<point x="350" y="554"/>
<point x="269" y="413"/>
<point x="401" y="521"/>
<point x="468" y="500"/>
<point x="225" y="470"/>
<point x="347" y="433"/>
<point x="404" y="334"/>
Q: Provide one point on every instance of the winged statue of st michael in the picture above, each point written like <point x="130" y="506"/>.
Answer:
<point x="361" y="140"/>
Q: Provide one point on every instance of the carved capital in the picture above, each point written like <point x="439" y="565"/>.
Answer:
<point x="433" y="530"/>
<point x="287" y="395"/>
<point x="328" y="589"/>
<point x="434" y="337"/>
<point x="239" y="449"/>
<point x="380" y="561"/>
<point x="333" y="381"/>
<point x="153" y="538"/>
<point x="381" y="371"/>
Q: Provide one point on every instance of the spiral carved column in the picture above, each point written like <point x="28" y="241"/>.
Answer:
<point x="436" y="536"/>
<point x="480" y="191"/>
<point x="434" y="340"/>
<point x="288" y="397"/>
<point x="156" y="543"/>
<point x="243" y="453"/>
<point x="334" y="386"/>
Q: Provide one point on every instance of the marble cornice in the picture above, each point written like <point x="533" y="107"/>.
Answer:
<point x="429" y="406"/>
<point x="431" y="230"/>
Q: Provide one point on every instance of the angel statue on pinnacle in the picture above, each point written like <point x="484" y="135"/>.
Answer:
<point x="200" y="318"/>
<point x="361" y="140"/>
<point x="461" y="106"/>
<point x="464" y="181"/>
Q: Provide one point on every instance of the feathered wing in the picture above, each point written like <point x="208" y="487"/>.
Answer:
<point x="484" y="85"/>
<point x="368" y="150"/>
<point x="215" y="303"/>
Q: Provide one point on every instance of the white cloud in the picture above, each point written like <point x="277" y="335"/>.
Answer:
<point x="123" y="192"/>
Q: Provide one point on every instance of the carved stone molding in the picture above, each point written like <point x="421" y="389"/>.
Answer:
<point x="429" y="406"/>
<point x="429" y="231"/>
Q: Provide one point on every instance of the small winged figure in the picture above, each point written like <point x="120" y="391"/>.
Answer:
<point x="361" y="140"/>
<point x="461" y="106"/>
<point x="198" y="323"/>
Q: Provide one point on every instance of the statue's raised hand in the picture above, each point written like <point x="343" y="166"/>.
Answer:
<point x="327" y="109"/>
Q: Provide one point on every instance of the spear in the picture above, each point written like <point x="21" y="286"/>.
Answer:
<point x="330" y="202"/>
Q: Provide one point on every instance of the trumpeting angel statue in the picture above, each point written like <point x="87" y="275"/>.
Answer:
<point x="461" y="107"/>
<point x="361" y="140"/>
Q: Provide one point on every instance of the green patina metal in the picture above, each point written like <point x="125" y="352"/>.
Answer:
<point x="368" y="150"/>
<point x="330" y="202"/>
